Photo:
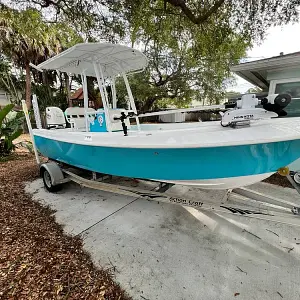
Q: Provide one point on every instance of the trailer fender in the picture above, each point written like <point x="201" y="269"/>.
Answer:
<point x="56" y="174"/>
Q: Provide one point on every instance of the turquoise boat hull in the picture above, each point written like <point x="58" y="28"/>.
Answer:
<point x="174" y="164"/>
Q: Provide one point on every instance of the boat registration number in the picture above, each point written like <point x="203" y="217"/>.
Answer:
<point x="88" y="138"/>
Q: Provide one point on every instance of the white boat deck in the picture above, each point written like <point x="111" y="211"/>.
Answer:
<point x="202" y="134"/>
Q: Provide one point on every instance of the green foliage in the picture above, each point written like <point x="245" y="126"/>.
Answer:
<point x="12" y="84"/>
<point x="26" y="38"/>
<point x="250" y="19"/>
<point x="190" y="44"/>
<point x="107" y="17"/>
<point x="50" y="96"/>
<point x="186" y="61"/>
<point x="93" y="20"/>
<point x="10" y="128"/>
<point x="4" y="112"/>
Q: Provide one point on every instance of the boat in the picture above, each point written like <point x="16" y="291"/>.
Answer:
<point x="247" y="146"/>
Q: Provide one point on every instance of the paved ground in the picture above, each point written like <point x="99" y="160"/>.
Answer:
<point x="162" y="251"/>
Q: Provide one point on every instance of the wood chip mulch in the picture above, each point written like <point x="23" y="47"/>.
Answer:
<point x="37" y="260"/>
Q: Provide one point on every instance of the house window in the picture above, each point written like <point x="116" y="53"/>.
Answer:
<point x="292" y="88"/>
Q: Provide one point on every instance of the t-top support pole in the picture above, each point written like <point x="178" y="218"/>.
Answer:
<point x="103" y="96"/>
<point x="113" y="92"/>
<point x="85" y="100"/>
<point x="131" y="100"/>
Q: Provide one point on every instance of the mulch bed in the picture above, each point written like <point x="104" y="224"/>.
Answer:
<point x="37" y="260"/>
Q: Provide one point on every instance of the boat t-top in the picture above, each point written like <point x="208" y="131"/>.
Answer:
<point x="248" y="145"/>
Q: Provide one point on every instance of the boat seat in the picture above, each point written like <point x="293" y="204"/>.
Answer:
<point x="75" y="116"/>
<point x="55" y="118"/>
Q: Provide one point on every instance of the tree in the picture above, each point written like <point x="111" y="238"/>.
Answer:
<point x="26" y="39"/>
<point x="185" y="63"/>
<point x="10" y="128"/>
<point x="190" y="43"/>
<point x="11" y="82"/>
<point x="89" y="18"/>
<point x="250" y="18"/>
<point x="177" y="78"/>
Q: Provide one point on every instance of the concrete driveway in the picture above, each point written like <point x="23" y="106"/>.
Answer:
<point x="163" y="251"/>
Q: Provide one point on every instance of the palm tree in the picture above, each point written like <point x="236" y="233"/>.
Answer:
<point x="25" y="38"/>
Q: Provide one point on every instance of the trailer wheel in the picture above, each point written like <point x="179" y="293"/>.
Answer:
<point x="297" y="177"/>
<point x="48" y="182"/>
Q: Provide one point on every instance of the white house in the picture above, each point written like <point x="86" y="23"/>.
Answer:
<point x="278" y="74"/>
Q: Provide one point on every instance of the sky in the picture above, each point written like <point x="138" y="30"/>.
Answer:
<point x="279" y="39"/>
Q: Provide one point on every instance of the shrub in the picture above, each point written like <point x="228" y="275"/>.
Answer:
<point x="10" y="128"/>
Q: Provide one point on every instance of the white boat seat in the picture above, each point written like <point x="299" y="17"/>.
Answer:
<point x="75" y="116"/>
<point x="55" y="117"/>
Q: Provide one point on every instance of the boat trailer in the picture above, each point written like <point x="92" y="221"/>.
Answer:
<point x="240" y="201"/>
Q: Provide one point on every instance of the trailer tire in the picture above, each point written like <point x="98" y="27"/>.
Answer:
<point x="297" y="177"/>
<point x="48" y="182"/>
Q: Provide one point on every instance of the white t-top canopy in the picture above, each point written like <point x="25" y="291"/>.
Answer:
<point x="114" y="59"/>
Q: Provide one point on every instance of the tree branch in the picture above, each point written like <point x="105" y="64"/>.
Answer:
<point x="187" y="11"/>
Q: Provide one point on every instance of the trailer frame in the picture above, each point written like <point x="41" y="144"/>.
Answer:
<point x="240" y="202"/>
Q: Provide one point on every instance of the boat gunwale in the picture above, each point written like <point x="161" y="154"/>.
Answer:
<point x="97" y="143"/>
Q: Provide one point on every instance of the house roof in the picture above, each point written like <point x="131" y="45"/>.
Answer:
<point x="78" y="95"/>
<point x="256" y="71"/>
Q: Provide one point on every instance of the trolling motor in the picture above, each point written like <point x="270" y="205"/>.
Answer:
<point x="245" y="109"/>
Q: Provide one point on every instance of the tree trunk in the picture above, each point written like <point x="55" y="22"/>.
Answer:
<point x="45" y="77"/>
<point x="28" y="85"/>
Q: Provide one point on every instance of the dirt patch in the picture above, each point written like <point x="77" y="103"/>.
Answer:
<point x="37" y="260"/>
<point x="278" y="180"/>
<point x="21" y="142"/>
<point x="25" y="137"/>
